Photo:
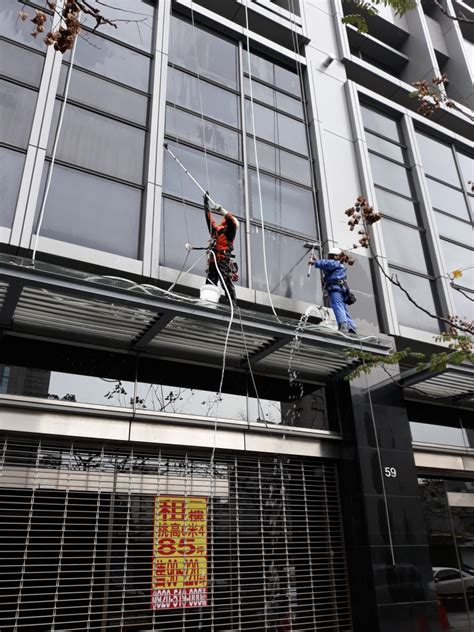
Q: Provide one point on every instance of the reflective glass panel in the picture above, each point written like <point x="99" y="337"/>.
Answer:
<point x="279" y="161"/>
<point x="134" y="20"/>
<point x="447" y="199"/>
<point x="421" y="290"/>
<point x="19" y="63"/>
<point x="183" y="224"/>
<point x="12" y="27"/>
<point x="273" y="74"/>
<point x="276" y="128"/>
<point x="441" y="435"/>
<point x="467" y="169"/>
<point x="384" y="147"/>
<point x="201" y="132"/>
<point x="438" y="160"/>
<point x="288" y="270"/>
<point x="457" y="258"/>
<point x="390" y="175"/>
<point x="113" y="61"/>
<point x="283" y="204"/>
<point x="190" y="92"/>
<point x="380" y="123"/>
<point x="204" y="53"/>
<point x="274" y="98"/>
<point x="105" y="96"/>
<point x="396" y="206"/>
<point x="11" y="167"/>
<point x="17" y="106"/>
<point x="454" y="229"/>
<point x="225" y="178"/>
<point x="463" y="303"/>
<point x="404" y="245"/>
<point x="89" y="211"/>
<point x="99" y="143"/>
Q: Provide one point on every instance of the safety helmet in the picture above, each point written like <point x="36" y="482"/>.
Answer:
<point x="335" y="251"/>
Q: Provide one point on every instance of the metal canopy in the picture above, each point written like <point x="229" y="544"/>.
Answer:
<point x="54" y="303"/>
<point x="455" y="382"/>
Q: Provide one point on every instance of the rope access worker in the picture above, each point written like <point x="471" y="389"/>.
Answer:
<point x="335" y="284"/>
<point x="222" y="244"/>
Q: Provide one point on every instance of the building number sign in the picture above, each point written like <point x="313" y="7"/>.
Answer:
<point x="390" y="472"/>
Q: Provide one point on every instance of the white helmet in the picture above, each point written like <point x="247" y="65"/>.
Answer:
<point x="335" y="251"/>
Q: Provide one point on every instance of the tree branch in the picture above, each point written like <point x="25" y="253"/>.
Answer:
<point x="452" y="17"/>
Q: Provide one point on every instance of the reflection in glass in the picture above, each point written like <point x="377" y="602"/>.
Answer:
<point x="200" y="132"/>
<point x="225" y="178"/>
<point x="308" y="411"/>
<point x="438" y="160"/>
<point x="187" y="91"/>
<point x="447" y="199"/>
<point x="116" y="62"/>
<point x="288" y="272"/>
<point x="203" y="52"/>
<point x="11" y="166"/>
<point x="454" y="229"/>
<point x="105" y="96"/>
<point x="20" y="63"/>
<point x="455" y="258"/>
<point x="407" y="313"/>
<point x="396" y="206"/>
<point x="76" y="213"/>
<point x="280" y="162"/>
<point x="276" y="128"/>
<point x="283" y="204"/>
<point x="99" y="143"/>
<point x="381" y="123"/>
<point x="384" y="147"/>
<point x="185" y="224"/>
<point x="390" y="175"/>
<point x="17" y="106"/>
<point x="404" y="245"/>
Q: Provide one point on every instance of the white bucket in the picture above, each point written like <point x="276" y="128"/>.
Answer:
<point x="210" y="294"/>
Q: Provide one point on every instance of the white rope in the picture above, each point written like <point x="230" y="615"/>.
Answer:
<point x="259" y="187"/>
<point x="55" y="147"/>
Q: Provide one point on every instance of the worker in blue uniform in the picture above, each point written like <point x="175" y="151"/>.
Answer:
<point x="335" y="284"/>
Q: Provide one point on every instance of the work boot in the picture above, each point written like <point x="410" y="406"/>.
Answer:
<point x="343" y="328"/>
<point x="353" y="331"/>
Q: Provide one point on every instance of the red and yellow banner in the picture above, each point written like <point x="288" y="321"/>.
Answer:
<point x="179" y="578"/>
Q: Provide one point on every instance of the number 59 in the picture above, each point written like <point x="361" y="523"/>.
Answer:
<point x="390" y="472"/>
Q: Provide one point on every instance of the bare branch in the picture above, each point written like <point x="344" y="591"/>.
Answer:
<point x="452" y="17"/>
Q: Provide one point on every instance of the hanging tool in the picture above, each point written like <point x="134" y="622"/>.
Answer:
<point x="217" y="206"/>
<point x="309" y="244"/>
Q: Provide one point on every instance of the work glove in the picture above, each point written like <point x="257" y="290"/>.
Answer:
<point x="206" y="201"/>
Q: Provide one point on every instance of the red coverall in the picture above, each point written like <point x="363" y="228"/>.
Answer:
<point x="222" y="236"/>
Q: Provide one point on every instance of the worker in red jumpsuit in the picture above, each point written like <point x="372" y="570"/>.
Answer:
<point x="222" y="244"/>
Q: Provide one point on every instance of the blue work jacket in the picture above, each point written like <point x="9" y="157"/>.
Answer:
<point x="333" y="271"/>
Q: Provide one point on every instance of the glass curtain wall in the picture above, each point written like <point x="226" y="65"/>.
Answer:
<point x="95" y="199"/>
<point x="21" y="65"/>
<point x="205" y="128"/>
<point x="404" y="233"/>
<point x="448" y="174"/>
<point x="449" y="518"/>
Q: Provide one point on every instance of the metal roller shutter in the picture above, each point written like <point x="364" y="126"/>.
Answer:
<point x="82" y="530"/>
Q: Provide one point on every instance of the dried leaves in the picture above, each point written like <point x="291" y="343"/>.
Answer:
<point x="430" y="96"/>
<point x="63" y="36"/>
<point x="364" y="215"/>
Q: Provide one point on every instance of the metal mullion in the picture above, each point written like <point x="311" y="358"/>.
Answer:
<point x="61" y="544"/>
<point x="308" y="540"/>
<point x="27" y="540"/>
<point x="96" y="533"/>
<point x="285" y="536"/>
<point x="262" y="539"/>
<point x="206" y="117"/>
<point x="237" y="540"/>
<point x="194" y="74"/>
<point x="127" y="534"/>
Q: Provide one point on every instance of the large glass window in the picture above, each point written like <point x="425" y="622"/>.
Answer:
<point x="456" y="257"/>
<point x="17" y="106"/>
<point x="445" y="198"/>
<point x="21" y="64"/>
<point x="100" y="143"/>
<point x="421" y="290"/>
<point x="225" y="178"/>
<point x="203" y="112"/>
<point x="403" y="231"/>
<point x="11" y="166"/>
<point x="89" y="211"/>
<point x="204" y="53"/>
<point x="288" y="269"/>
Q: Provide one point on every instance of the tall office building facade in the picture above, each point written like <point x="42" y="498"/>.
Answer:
<point x="169" y="465"/>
